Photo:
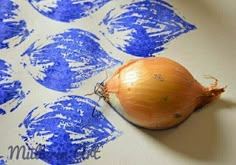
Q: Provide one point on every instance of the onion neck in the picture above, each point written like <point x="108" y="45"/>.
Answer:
<point x="209" y="95"/>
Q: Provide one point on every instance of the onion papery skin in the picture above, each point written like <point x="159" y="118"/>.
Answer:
<point x="156" y="92"/>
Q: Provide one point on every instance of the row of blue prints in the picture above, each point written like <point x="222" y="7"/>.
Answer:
<point x="142" y="27"/>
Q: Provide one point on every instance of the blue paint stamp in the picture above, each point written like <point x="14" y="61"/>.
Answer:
<point x="142" y="28"/>
<point x="71" y="130"/>
<point x="63" y="61"/>
<point x="11" y="91"/>
<point x="67" y="10"/>
<point x="13" y="30"/>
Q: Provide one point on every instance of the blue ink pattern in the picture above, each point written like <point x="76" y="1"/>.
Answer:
<point x="68" y="59"/>
<point x="67" y="10"/>
<point x="13" y="30"/>
<point x="143" y="28"/>
<point x="11" y="93"/>
<point x="69" y="129"/>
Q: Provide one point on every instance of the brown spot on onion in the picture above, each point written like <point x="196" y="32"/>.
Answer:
<point x="158" y="77"/>
<point x="164" y="99"/>
<point x="177" y="115"/>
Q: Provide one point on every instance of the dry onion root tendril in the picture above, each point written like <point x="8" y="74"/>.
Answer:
<point x="156" y="92"/>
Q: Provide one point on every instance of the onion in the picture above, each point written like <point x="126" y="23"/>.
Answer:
<point x="156" y="92"/>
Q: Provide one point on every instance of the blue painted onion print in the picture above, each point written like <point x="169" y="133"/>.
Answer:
<point x="69" y="129"/>
<point x="64" y="60"/>
<point x="13" y="29"/>
<point x="143" y="28"/>
<point x="67" y="10"/>
<point x="11" y="92"/>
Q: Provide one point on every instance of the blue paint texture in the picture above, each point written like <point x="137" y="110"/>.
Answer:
<point x="2" y="112"/>
<point x="67" y="10"/>
<point x="69" y="129"/>
<point x="11" y="92"/>
<point x="2" y="161"/>
<point x="66" y="59"/>
<point x="13" y="30"/>
<point x="143" y="28"/>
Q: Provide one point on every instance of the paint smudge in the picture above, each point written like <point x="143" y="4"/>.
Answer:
<point x="11" y="92"/>
<point x="2" y="161"/>
<point x="13" y="30"/>
<point x="2" y="112"/>
<point x="69" y="129"/>
<point x="64" y="60"/>
<point x="143" y="28"/>
<point x="67" y="10"/>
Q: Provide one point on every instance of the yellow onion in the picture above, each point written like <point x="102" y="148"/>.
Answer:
<point x="156" y="92"/>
